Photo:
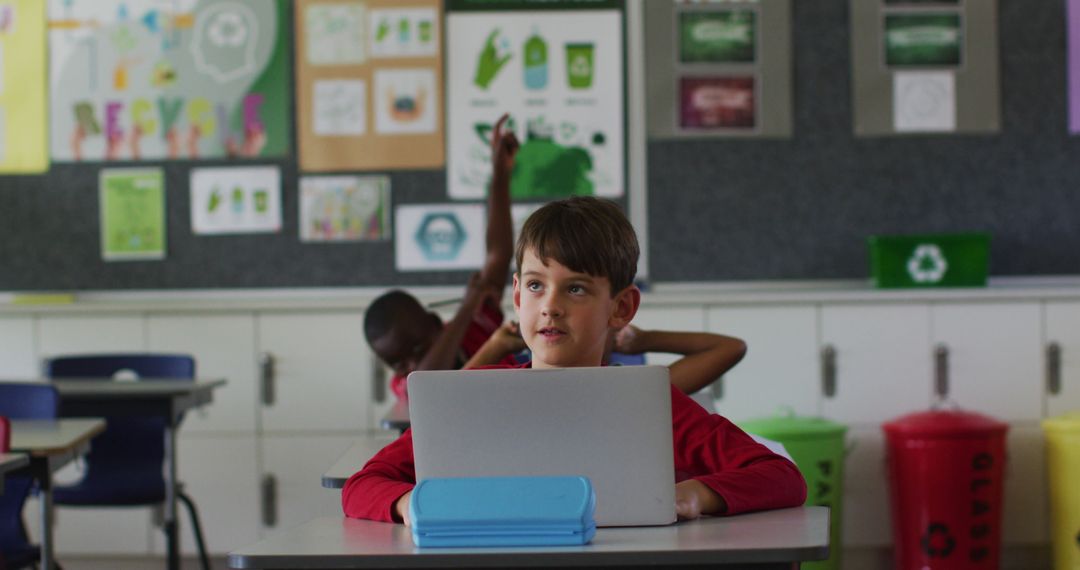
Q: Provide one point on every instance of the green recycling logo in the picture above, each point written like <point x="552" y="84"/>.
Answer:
<point x="927" y="264"/>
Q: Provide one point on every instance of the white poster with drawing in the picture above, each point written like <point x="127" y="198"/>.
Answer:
<point x="236" y="200"/>
<point x="439" y="237"/>
<point x="405" y="101"/>
<point x="344" y="208"/>
<point x="335" y="34"/>
<point x="924" y="101"/>
<point x="339" y="107"/>
<point x="411" y="32"/>
<point x="559" y="73"/>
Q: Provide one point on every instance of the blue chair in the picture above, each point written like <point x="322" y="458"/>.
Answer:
<point x="622" y="359"/>
<point x="124" y="466"/>
<point x="21" y="402"/>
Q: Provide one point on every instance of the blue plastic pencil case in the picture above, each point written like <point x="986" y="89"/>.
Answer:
<point x="503" y="511"/>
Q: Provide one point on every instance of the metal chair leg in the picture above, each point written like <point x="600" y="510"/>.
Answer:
<point x="196" y="528"/>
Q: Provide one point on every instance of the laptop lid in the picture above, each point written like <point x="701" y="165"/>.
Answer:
<point x="610" y="424"/>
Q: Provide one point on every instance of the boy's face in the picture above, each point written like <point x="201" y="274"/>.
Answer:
<point x="566" y="316"/>
<point x="404" y="345"/>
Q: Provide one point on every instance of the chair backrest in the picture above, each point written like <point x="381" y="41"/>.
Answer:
<point x="124" y="466"/>
<point x="5" y="435"/>
<point x="27" y="401"/>
<point x="143" y="365"/>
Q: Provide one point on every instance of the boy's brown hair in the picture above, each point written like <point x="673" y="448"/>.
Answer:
<point x="587" y="235"/>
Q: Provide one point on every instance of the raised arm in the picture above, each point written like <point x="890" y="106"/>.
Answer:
<point x="500" y="228"/>
<point x="443" y="352"/>
<point x="706" y="356"/>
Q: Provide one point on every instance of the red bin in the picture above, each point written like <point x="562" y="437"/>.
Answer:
<point x="946" y="471"/>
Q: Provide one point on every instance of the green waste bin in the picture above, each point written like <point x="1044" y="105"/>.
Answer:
<point x="1063" y="470"/>
<point x="817" y="446"/>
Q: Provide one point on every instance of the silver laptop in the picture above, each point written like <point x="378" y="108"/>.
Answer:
<point x="611" y="424"/>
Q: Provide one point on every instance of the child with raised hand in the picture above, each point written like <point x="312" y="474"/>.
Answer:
<point x="406" y="336"/>
<point x="574" y="288"/>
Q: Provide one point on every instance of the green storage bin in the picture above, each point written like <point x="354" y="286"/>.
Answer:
<point x="817" y="446"/>
<point x="931" y="260"/>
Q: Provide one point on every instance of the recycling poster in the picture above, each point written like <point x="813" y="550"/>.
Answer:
<point x="148" y="80"/>
<point x="369" y="84"/>
<point x="558" y="68"/>
<point x="132" y="213"/>
<point x="915" y="68"/>
<point x="23" y="146"/>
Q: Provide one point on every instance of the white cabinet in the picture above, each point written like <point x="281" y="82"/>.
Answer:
<point x="781" y="363"/>
<point x="62" y="335"/>
<point x="679" y="319"/>
<point x="882" y="361"/>
<point x="866" y="506"/>
<point x="296" y="465"/>
<point x="1063" y="329"/>
<point x="223" y="347"/>
<point x="322" y="372"/>
<point x="995" y="357"/>
<point x="17" y="360"/>
<point x="220" y="474"/>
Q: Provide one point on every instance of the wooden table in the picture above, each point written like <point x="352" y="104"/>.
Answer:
<point x="767" y="540"/>
<point x="51" y="444"/>
<point x="146" y="397"/>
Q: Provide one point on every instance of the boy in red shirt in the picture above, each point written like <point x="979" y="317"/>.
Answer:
<point x="574" y="288"/>
<point x="407" y="337"/>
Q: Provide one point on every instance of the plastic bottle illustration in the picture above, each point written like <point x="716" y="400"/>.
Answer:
<point x="536" y="62"/>
<point x="238" y="200"/>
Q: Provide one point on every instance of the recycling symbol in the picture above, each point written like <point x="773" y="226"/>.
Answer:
<point x="937" y="542"/>
<point x="440" y="236"/>
<point x="927" y="264"/>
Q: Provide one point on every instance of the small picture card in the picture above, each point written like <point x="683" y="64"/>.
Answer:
<point x="344" y="208"/>
<point x="924" y="101"/>
<point x="718" y="36"/>
<point x="439" y="237"/>
<point x="339" y="107"/>
<point x="719" y="102"/>
<point x="231" y="200"/>
<point x="411" y="32"/>
<point x="405" y="101"/>
<point x="335" y="34"/>
<point x="132" y="213"/>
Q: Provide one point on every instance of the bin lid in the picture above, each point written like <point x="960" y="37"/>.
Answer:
<point x="944" y="424"/>
<point x="1068" y="422"/>
<point x="790" y="427"/>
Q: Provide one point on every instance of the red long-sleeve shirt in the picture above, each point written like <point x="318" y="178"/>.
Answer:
<point x="707" y="446"/>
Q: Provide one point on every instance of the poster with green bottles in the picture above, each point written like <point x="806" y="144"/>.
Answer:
<point x="132" y="213"/>
<point x="557" y="67"/>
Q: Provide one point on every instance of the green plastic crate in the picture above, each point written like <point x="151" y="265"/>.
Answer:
<point x="931" y="260"/>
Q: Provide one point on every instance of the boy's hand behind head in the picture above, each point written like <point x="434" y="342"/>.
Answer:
<point x="504" y="147"/>
<point x="508" y="335"/>
<point x="626" y="340"/>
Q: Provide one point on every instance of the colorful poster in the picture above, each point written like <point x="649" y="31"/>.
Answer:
<point x="717" y="103"/>
<point x="923" y="40"/>
<point x="439" y="237"/>
<point x="23" y="120"/>
<point x="558" y="70"/>
<point x="1073" y="9"/>
<point x="184" y="79"/>
<point x="369" y="84"/>
<point x="236" y="200"/>
<point x="132" y="211"/>
<point x="344" y="208"/>
<point x="718" y="36"/>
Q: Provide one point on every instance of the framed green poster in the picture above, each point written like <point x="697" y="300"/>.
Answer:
<point x="132" y="214"/>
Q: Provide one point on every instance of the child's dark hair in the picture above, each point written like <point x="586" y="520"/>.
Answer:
<point x="587" y="235"/>
<point x="380" y="315"/>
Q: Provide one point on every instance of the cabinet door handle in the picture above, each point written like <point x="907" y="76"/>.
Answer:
<point x="941" y="370"/>
<point x="378" y="380"/>
<point x="267" y="371"/>
<point x="828" y="370"/>
<point x="269" y="500"/>
<point x="1053" y="368"/>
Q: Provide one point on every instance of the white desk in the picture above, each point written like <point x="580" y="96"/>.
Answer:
<point x="397" y="418"/>
<point x="772" y="539"/>
<point x="355" y="458"/>
<point x="51" y="444"/>
<point x="147" y="397"/>
<point x="11" y="462"/>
